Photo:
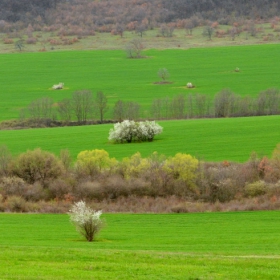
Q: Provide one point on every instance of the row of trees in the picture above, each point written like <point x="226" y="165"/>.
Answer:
<point x="38" y="175"/>
<point x="225" y="104"/>
<point x="84" y="107"/>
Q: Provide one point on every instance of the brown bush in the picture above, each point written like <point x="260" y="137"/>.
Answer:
<point x="8" y="41"/>
<point x="36" y="192"/>
<point x="89" y="190"/>
<point x="60" y="187"/>
<point x="12" y="186"/>
<point x="15" y="204"/>
<point x="31" y="40"/>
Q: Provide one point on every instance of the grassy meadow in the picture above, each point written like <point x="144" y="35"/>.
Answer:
<point x="143" y="246"/>
<point x="25" y="77"/>
<point x="207" y="139"/>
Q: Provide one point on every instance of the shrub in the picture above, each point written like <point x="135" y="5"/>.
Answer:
<point x="94" y="162"/>
<point x="255" y="189"/>
<point x="13" y="186"/>
<point x="133" y="166"/>
<point x="16" y="204"/>
<point x="37" y="165"/>
<point x="31" y="40"/>
<point x="128" y="131"/>
<point x="86" y="220"/>
<point x="182" y="167"/>
<point x="59" y="188"/>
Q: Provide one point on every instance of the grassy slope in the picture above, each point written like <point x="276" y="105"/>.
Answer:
<point x="189" y="246"/>
<point x="209" y="139"/>
<point x="27" y="76"/>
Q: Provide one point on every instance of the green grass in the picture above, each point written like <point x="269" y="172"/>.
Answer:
<point x="25" y="77"/>
<point x="143" y="246"/>
<point x="207" y="139"/>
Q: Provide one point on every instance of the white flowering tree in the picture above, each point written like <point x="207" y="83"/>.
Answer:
<point x="128" y="131"/>
<point x="86" y="220"/>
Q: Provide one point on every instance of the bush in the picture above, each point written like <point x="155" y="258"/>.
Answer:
<point x="255" y="189"/>
<point x="128" y="131"/>
<point x="94" y="162"/>
<point x="37" y="165"/>
<point x="16" y="204"/>
<point x="182" y="167"/>
<point x="13" y="186"/>
<point x="86" y="220"/>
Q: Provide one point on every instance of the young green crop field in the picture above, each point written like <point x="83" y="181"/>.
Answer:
<point x="25" y="77"/>
<point x="143" y="246"/>
<point x="207" y="139"/>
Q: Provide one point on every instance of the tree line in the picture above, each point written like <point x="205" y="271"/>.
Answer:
<point x="85" y="107"/>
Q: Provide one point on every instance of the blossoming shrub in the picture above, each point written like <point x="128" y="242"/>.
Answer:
<point x="86" y="220"/>
<point x="128" y="131"/>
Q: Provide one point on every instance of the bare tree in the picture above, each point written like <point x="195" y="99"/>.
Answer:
<point x="178" y="106"/>
<point x="163" y="74"/>
<point x="101" y="104"/>
<point x="208" y="31"/>
<point x="134" y="48"/>
<point x="120" y="29"/>
<point x="156" y="108"/>
<point x="41" y="109"/>
<point x="224" y="103"/>
<point x="132" y="110"/>
<point x="140" y="29"/>
<point x="166" y="30"/>
<point x="119" y="110"/>
<point x="82" y="104"/>
<point x="5" y="159"/>
<point x="65" y="109"/>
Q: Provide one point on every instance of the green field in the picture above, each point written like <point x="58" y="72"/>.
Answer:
<point x="25" y="77"/>
<point x="143" y="246"/>
<point x="207" y="139"/>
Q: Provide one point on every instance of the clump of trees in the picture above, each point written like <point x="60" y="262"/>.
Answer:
<point x="128" y="131"/>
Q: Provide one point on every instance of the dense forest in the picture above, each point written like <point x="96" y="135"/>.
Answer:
<point x="120" y="15"/>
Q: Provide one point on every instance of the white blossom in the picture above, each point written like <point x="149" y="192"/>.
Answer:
<point x="86" y="220"/>
<point x="128" y="131"/>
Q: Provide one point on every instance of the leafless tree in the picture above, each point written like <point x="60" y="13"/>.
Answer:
<point x="208" y="31"/>
<point x="119" y="110"/>
<point x="178" y="106"/>
<point x="41" y="109"/>
<point x="65" y="109"/>
<point x="224" y="103"/>
<point x="82" y="104"/>
<point x="156" y="108"/>
<point x="5" y="159"/>
<point x="163" y="74"/>
<point x="132" y="110"/>
<point x="134" y="48"/>
<point x="101" y="104"/>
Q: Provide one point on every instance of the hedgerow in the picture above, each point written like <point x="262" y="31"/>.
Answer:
<point x="42" y="180"/>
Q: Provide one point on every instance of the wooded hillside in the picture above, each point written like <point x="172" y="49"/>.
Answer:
<point x="121" y="15"/>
